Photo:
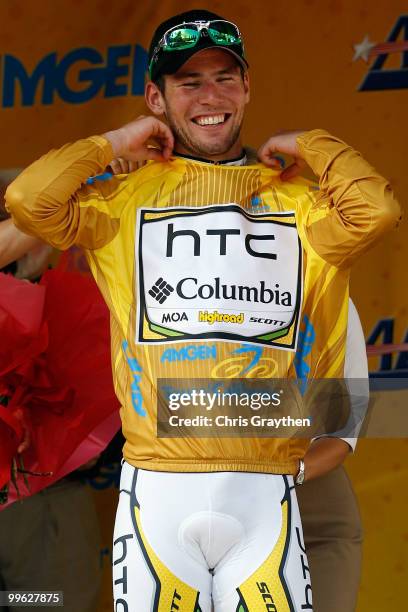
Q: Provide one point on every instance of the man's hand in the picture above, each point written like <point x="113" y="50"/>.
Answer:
<point x="323" y="455"/>
<point x="130" y="142"/>
<point x="283" y="142"/>
<point x="13" y="243"/>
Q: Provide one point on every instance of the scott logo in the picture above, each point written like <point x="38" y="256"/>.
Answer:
<point x="267" y="597"/>
<point x="120" y="72"/>
<point x="266" y="321"/>
<point x="175" y="603"/>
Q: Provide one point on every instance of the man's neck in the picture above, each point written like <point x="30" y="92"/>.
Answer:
<point x="239" y="160"/>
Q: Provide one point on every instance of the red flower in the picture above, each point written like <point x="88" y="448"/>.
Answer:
<point x="55" y="368"/>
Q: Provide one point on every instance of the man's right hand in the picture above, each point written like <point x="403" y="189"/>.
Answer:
<point x="130" y="141"/>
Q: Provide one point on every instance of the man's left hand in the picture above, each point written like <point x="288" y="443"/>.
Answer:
<point x="323" y="455"/>
<point x="283" y="142"/>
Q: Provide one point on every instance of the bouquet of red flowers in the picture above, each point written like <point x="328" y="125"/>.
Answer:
<point x="56" y="390"/>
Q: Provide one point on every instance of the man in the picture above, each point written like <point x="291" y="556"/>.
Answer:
<point x="184" y="251"/>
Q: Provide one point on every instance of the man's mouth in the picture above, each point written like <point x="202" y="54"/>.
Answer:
<point x="211" y="119"/>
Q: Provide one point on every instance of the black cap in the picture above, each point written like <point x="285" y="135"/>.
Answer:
<point x="169" y="62"/>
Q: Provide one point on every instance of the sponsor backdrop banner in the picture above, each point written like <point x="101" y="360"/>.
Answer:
<point x="71" y="68"/>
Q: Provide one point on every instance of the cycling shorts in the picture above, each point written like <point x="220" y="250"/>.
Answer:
<point x="197" y="542"/>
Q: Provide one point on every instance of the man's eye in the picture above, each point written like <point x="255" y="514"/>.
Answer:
<point x="222" y="79"/>
<point x="191" y="84"/>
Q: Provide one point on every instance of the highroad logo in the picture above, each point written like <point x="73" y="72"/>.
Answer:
<point x="217" y="317"/>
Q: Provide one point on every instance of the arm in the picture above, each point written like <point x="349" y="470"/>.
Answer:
<point x="45" y="198"/>
<point x="323" y="455"/>
<point x="49" y="199"/>
<point x="326" y="453"/>
<point x="13" y="243"/>
<point x="357" y="377"/>
<point x="355" y="205"/>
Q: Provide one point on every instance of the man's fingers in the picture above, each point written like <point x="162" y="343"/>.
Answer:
<point x="115" y="166"/>
<point x="164" y="137"/>
<point x="271" y="161"/>
<point x="284" y="142"/>
<point x="165" y="146"/>
<point x="123" y="166"/>
<point x="275" y="144"/>
<point x="266" y="154"/>
<point x="129" y="141"/>
<point x="134" y="165"/>
<point x="167" y="152"/>
<point x="293" y="170"/>
<point x="154" y="154"/>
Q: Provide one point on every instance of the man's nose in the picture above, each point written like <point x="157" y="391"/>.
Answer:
<point x="209" y="93"/>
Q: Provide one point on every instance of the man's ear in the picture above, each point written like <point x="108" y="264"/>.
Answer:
<point x="154" y="99"/>
<point x="245" y="79"/>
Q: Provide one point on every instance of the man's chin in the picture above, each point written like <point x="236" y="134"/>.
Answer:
<point x="210" y="149"/>
<point x="198" y="144"/>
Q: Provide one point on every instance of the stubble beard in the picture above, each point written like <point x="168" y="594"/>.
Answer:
<point x="201" y="149"/>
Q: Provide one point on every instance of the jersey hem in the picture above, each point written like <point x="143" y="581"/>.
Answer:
<point x="195" y="465"/>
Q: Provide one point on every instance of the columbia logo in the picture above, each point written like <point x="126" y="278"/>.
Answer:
<point x="161" y="290"/>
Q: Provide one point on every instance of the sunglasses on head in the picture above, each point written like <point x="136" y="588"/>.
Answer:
<point x="187" y="35"/>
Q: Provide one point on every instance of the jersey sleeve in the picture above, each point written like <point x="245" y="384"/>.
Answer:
<point x="355" y="205"/>
<point x="356" y="375"/>
<point x="53" y="200"/>
<point x="356" y="379"/>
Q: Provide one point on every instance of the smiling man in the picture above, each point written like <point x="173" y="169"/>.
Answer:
<point x="205" y="247"/>
<point x="203" y="95"/>
<point x="199" y="130"/>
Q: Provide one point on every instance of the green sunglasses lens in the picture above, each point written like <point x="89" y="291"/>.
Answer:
<point x="185" y="37"/>
<point x="224" y="33"/>
<point x="182" y="38"/>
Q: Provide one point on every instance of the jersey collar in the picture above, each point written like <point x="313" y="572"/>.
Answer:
<point x="238" y="161"/>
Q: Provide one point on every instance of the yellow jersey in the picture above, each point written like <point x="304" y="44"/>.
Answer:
<point x="212" y="272"/>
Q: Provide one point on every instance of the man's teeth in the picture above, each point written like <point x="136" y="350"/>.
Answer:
<point x="213" y="120"/>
